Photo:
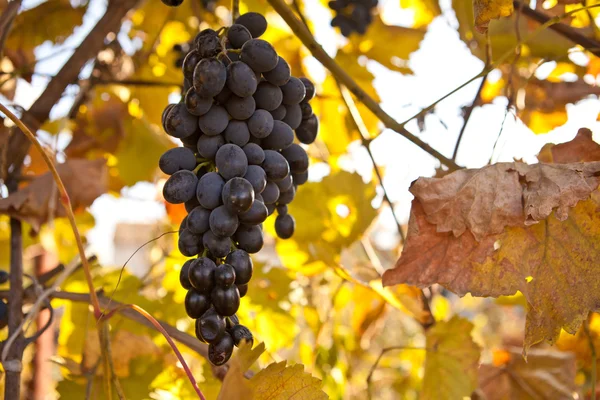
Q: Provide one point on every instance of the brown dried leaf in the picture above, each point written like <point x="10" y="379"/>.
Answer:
<point x="581" y="149"/>
<point x="546" y="374"/>
<point x="84" y="180"/>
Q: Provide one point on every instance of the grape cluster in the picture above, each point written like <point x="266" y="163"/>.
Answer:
<point x="238" y="165"/>
<point x="352" y="15"/>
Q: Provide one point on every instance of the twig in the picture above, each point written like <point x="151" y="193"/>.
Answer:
<point x="468" y="116"/>
<point x="342" y="76"/>
<point x="590" y="44"/>
<point x="586" y="329"/>
<point x="64" y="199"/>
<point x="6" y="20"/>
<point x="235" y="10"/>
<point x="136" y="82"/>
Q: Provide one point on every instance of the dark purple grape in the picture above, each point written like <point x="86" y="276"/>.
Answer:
<point x="279" y="113"/>
<point x="189" y="64"/>
<point x="209" y="190"/>
<point x="226" y="301"/>
<point x="223" y="96"/>
<point x="271" y="193"/>
<point x="257" y="214"/>
<point x="237" y="133"/>
<point x="179" y="123"/>
<point x="208" y="146"/>
<point x="189" y="244"/>
<point x="260" y="124"/>
<point x="191" y="204"/>
<point x="293" y="91"/>
<point x="275" y="165"/>
<point x="240" y="108"/>
<point x="300" y="178"/>
<point x="259" y="55"/>
<point x="165" y="113"/>
<point x="177" y="159"/>
<point x="254" y="22"/>
<point x="207" y="43"/>
<point x="210" y="327"/>
<point x="270" y="208"/>
<point x="242" y="264"/>
<point x="285" y="184"/>
<point x="293" y="116"/>
<point x="257" y="178"/>
<point x="197" y="220"/>
<point x="237" y="35"/>
<point x="241" y="80"/>
<point x="282" y="209"/>
<point x="310" y="89"/>
<point x="231" y="161"/>
<point x="243" y="289"/>
<point x="223" y="223"/>
<point x="281" y="137"/>
<point x="306" y="110"/>
<point x="308" y="129"/>
<point x="195" y="104"/>
<point x="240" y="333"/>
<point x="196" y="304"/>
<point x="254" y="153"/>
<point x="180" y="187"/>
<point x="287" y="196"/>
<point x="184" y="279"/>
<point x="238" y="195"/>
<point x="280" y="75"/>
<point x="220" y="351"/>
<point x="191" y="141"/>
<point x="214" y="121"/>
<point x="202" y="274"/>
<point x="268" y="96"/>
<point x="183" y="224"/>
<point x="284" y="226"/>
<point x="224" y="275"/>
<point x="296" y="157"/>
<point x="209" y="77"/>
<point x="218" y="246"/>
<point x="249" y="238"/>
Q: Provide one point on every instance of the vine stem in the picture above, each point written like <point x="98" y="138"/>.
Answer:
<point x="302" y="32"/>
<point x="235" y="10"/>
<point x="162" y="330"/>
<point x="64" y="199"/>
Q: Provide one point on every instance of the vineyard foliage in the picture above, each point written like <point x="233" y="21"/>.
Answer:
<point x="492" y="294"/>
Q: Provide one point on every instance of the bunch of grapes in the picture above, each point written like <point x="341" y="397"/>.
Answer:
<point x="238" y="165"/>
<point x="352" y="15"/>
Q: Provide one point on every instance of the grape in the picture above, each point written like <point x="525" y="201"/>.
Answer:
<point x="196" y="304"/>
<point x="260" y="124"/>
<point x="310" y="89"/>
<point x="224" y="275"/>
<point x="214" y="121"/>
<point x="207" y="146"/>
<point x="232" y="321"/>
<point x="249" y="238"/>
<point x="202" y="274"/>
<point x="191" y="203"/>
<point x="238" y="195"/>
<point x="207" y="43"/>
<point x="180" y="187"/>
<point x="279" y="113"/>
<point x="210" y="326"/>
<point x="257" y="214"/>
<point x="3" y="314"/>
<point x="287" y="196"/>
<point x="220" y="352"/>
<point x="172" y="3"/>
<point x="282" y="209"/>
<point x="271" y="193"/>
<point x="275" y="165"/>
<point x="189" y="64"/>
<point x="209" y="190"/>
<point x="177" y="159"/>
<point x="189" y="244"/>
<point x="242" y="264"/>
<point x="293" y="116"/>
<point x="231" y="161"/>
<point x="195" y="104"/>
<point x="243" y="289"/>
<point x="308" y="129"/>
<point x="226" y="301"/>
<point x="239" y="333"/>
<point x="257" y="178"/>
<point x="183" y="224"/>
<point x="285" y="184"/>
<point x="184" y="279"/>
<point x="296" y="157"/>
<point x="218" y="246"/>
<point x="284" y="226"/>
<point x="209" y="77"/>
<point x="306" y="110"/>
<point x="241" y="80"/>
<point x="191" y="141"/>
<point x="279" y="75"/>
<point x="254" y="153"/>
<point x="223" y="223"/>
<point x="300" y="178"/>
<point x="270" y="208"/>
<point x="281" y="137"/>
<point x="179" y="123"/>
<point x="259" y="55"/>
<point x="238" y="35"/>
<point x="240" y="107"/>
<point x="268" y="96"/>
<point x="293" y="91"/>
<point x="254" y="22"/>
<point x="237" y="133"/>
<point x="223" y="96"/>
<point x="165" y="113"/>
<point x="197" y="220"/>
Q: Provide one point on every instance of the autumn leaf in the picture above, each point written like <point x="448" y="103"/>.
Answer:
<point x="36" y="203"/>
<point x="235" y="385"/>
<point x="546" y="374"/>
<point x="280" y="382"/>
<point x="510" y="227"/>
<point x="581" y="149"/>
<point x="487" y="10"/>
<point x="451" y="362"/>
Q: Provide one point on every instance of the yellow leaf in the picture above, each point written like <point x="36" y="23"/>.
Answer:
<point x="235" y="385"/>
<point x="487" y="10"/>
<point x="451" y="362"/>
<point x="278" y="382"/>
<point x="543" y="122"/>
<point x="424" y="11"/>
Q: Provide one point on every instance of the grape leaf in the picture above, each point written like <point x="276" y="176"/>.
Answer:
<point x="509" y="227"/>
<point x="235" y="385"/>
<point x="279" y="382"/>
<point x="581" y="149"/>
<point x="546" y="374"/>
<point x="36" y="203"/>
<point x="487" y="10"/>
<point x="451" y="362"/>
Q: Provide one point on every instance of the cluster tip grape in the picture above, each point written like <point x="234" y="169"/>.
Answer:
<point x="240" y="162"/>
<point x="352" y="15"/>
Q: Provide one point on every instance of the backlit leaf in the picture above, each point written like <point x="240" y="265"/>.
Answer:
<point x="487" y="10"/>
<point x="278" y="382"/>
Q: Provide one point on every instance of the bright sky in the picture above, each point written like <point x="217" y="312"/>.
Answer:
<point x="442" y="63"/>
